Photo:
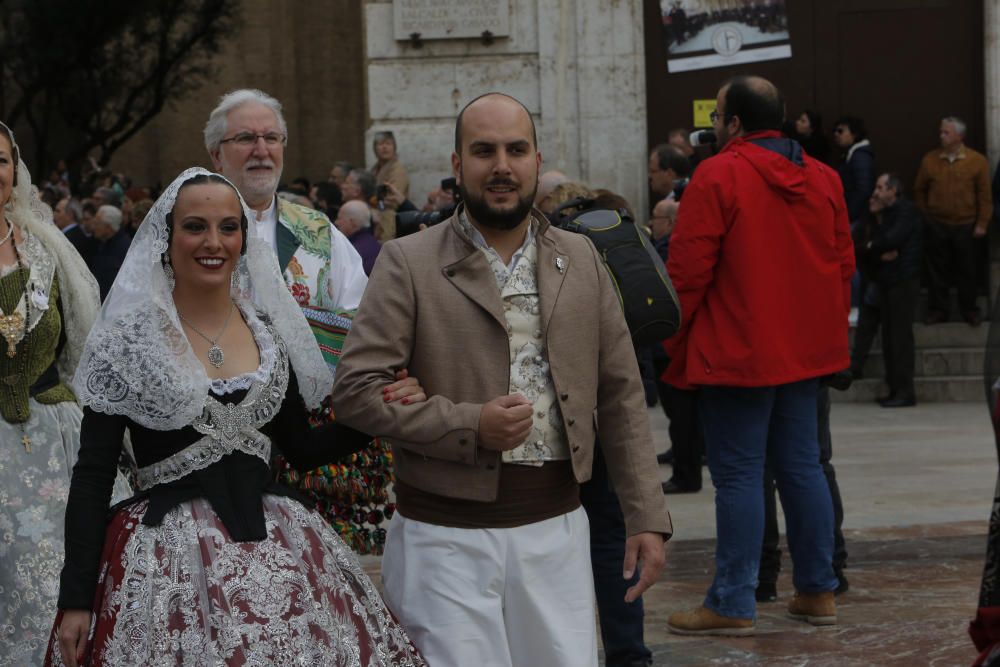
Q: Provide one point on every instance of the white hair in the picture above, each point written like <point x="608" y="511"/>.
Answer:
<point x="215" y="128"/>
<point x="359" y="212"/>
<point x="110" y="216"/>
<point x="957" y="122"/>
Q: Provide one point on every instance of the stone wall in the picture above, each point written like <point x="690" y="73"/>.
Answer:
<point x="308" y="56"/>
<point x="576" y="65"/>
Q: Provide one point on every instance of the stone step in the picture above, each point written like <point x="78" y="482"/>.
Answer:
<point x="982" y="302"/>
<point x="933" y="362"/>
<point x="940" y="389"/>
<point x="946" y="334"/>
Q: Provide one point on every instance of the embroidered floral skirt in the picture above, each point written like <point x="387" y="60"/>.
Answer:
<point x="183" y="593"/>
<point x="34" y="486"/>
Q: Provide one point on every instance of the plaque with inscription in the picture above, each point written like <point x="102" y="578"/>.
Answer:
<point x="450" y="19"/>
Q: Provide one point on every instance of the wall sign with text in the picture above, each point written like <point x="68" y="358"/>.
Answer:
<point x="450" y="19"/>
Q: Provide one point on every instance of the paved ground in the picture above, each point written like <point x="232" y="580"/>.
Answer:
<point x="917" y="485"/>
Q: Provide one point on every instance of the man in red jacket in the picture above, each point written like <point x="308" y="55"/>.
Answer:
<point x="761" y="258"/>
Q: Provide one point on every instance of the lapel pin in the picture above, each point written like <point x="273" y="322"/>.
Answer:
<point x="560" y="264"/>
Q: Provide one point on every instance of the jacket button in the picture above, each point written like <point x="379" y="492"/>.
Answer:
<point x="564" y="396"/>
<point x="570" y="421"/>
<point x="450" y="273"/>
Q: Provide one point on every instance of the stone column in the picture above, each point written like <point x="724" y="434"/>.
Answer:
<point x="991" y="54"/>
<point x="577" y="65"/>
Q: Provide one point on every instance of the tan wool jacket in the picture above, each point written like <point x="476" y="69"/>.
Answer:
<point x="432" y="307"/>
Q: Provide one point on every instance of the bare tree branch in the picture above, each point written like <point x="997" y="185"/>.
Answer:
<point x="87" y="75"/>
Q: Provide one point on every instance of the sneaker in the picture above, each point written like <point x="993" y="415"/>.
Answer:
<point x="767" y="591"/>
<point x="702" y="621"/>
<point x="814" y="608"/>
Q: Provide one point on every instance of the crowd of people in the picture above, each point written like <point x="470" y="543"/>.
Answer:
<point x="217" y="397"/>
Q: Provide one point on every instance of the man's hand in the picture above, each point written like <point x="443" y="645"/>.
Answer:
<point x="73" y="633"/>
<point x="393" y="198"/>
<point x="405" y="389"/>
<point x="648" y="548"/>
<point x="889" y="256"/>
<point x="505" y="422"/>
<point x="979" y="232"/>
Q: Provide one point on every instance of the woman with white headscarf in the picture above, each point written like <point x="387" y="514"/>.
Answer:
<point x="203" y="357"/>
<point x="48" y="301"/>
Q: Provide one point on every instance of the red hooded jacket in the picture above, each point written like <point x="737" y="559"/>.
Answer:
<point x="761" y="259"/>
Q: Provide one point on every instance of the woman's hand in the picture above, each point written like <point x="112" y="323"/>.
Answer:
<point x="73" y="633"/>
<point x="405" y="389"/>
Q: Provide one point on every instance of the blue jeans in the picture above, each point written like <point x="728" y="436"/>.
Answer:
<point x="621" y="622"/>
<point x="742" y="425"/>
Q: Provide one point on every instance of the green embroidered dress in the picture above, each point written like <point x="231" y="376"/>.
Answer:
<point x="39" y="408"/>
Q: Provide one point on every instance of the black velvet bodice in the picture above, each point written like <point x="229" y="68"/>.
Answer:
<point x="234" y="485"/>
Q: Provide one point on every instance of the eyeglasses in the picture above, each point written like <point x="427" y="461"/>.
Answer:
<point x="714" y="115"/>
<point x="247" y="139"/>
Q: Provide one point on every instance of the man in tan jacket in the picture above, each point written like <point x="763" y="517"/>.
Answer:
<point x="515" y="332"/>
<point x="953" y="190"/>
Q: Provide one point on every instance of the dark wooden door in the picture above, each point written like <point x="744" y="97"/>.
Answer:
<point x="899" y="64"/>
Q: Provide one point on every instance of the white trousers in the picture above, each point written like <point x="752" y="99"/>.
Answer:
<point x="494" y="597"/>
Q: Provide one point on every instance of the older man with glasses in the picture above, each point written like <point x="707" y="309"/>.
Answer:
<point x="246" y="136"/>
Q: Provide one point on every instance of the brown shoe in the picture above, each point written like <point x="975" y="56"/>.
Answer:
<point x="814" y="608"/>
<point x="702" y="621"/>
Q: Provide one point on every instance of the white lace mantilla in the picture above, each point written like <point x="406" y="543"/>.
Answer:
<point x="138" y="362"/>
<point x="227" y="428"/>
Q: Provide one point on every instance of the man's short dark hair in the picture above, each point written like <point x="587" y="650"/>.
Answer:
<point x="892" y="180"/>
<point x="329" y="193"/>
<point x="458" y="121"/>
<point x="855" y="125"/>
<point x="671" y="157"/>
<point x="756" y="102"/>
<point x="365" y="181"/>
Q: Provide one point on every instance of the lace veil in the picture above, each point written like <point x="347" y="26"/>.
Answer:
<point x="138" y="362"/>
<point x="79" y="297"/>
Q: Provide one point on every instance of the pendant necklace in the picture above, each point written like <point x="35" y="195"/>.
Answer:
<point x="215" y="355"/>
<point x="10" y="232"/>
<point x="17" y="333"/>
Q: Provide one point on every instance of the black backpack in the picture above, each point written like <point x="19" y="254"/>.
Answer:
<point x="645" y="292"/>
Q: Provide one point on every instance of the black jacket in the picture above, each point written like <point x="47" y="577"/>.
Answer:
<point x="901" y="230"/>
<point x="858" y="176"/>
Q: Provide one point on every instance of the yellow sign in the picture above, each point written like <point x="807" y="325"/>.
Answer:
<point x="702" y="111"/>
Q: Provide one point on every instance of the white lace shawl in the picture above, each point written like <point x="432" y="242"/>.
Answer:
<point x="138" y="362"/>
<point x="79" y="297"/>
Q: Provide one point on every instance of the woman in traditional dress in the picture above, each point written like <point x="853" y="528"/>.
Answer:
<point x="48" y="301"/>
<point x="203" y="357"/>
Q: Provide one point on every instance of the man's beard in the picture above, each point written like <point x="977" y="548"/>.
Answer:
<point x="491" y="217"/>
<point x="257" y="186"/>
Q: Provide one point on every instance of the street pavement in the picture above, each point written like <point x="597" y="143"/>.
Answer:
<point x="917" y="485"/>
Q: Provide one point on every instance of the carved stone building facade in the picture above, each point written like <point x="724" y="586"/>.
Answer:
<point x="577" y="65"/>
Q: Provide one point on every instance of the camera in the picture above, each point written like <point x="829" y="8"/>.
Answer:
<point x="702" y="138"/>
<point x="409" y="222"/>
